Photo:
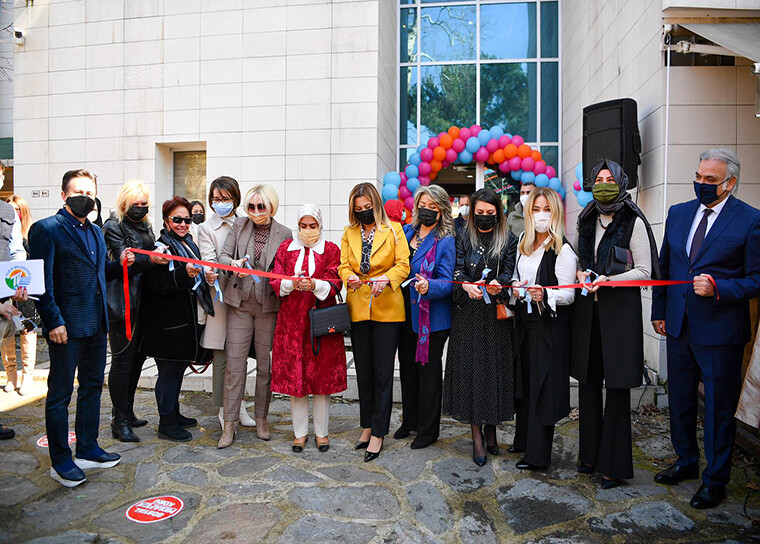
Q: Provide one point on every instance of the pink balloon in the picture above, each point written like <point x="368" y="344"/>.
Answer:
<point x="439" y="136"/>
<point x="424" y="168"/>
<point x="482" y="154"/>
<point x="577" y="185"/>
<point x="458" y="145"/>
<point x="504" y="141"/>
<point x="433" y="143"/>
<point x="444" y="164"/>
<point x="465" y="134"/>
<point x="539" y="168"/>
<point x="409" y="203"/>
<point x="518" y="140"/>
<point x="504" y="167"/>
<point x="451" y="154"/>
<point x="474" y="129"/>
<point x="550" y="172"/>
<point x="403" y="177"/>
<point x="424" y="180"/>
<point x="426" y="154"/>
<point x="492" y="145"/>
<point x="515" y="163"/>
<point x="527" y="164"/>
<point x="403" y="192"/>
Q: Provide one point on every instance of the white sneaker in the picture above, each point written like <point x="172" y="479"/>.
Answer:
<point x="89" y="463"/>
<point x="63" y="481"/>
<point x="245" y="419"/>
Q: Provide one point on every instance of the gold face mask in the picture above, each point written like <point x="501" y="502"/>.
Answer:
<point x="308" y="237"/>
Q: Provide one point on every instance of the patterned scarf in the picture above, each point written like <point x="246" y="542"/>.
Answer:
<point x="423" y="322"/>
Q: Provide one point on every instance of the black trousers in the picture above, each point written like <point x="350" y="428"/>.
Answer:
<point x="168" y="386"/>
<point x="530" y="436"/>
<point x="126" y="366"/>
<point x="421" y="386"/>
<point x="374" y="344"/>
<point x="605" y="432"/>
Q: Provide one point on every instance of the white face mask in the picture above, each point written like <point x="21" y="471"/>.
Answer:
<point x="523" y="200"/>
<point x="464" y="211"/>
<point x="541" y="221"/>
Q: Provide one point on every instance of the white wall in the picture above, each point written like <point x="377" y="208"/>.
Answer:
<point x="6" y="79"/>
<point x="296" y="93"/>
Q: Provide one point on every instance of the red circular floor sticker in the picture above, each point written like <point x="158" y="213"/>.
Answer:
<point x="155" y="509"/>
<point x="43" y="441"/>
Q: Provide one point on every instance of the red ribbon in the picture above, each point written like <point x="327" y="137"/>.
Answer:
<point x="271" y="275"/>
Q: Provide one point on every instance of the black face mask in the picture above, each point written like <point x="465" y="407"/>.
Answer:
<point x="484" y="222"/>
<point x="365" y="217"/>
<point x="80" y="205"/>
<point x="137" y="213"/>
<point x="427" y="216"/>
<point x="177" y="236"/>
<point x="198" y="218"/>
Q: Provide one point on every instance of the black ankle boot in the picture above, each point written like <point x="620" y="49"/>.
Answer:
<point x="183" y="421"/>
<point x="168" y="429"/>
<point x="121" y="429"/>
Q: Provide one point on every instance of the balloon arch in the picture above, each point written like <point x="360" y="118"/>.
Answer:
<point x="510" y="154"/>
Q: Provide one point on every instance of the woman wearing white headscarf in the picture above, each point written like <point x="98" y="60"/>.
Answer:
<point x="296" y="371"/>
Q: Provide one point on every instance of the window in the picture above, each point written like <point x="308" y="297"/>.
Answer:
<point x="190" y="175"/>
<point x="485" y="62"/>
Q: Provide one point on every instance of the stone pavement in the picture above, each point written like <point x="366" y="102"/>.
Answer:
<point x="260" y="491"/>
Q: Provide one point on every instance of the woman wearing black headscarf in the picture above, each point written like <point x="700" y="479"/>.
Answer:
<point x="615" y="243"/>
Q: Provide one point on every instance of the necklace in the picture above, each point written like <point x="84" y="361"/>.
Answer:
<point x="602" y="224"/>
<point x="419" y="240"/>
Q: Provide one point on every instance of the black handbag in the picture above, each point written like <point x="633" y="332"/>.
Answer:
<point x="619" y="260"/>
<point x="328" y="320"/>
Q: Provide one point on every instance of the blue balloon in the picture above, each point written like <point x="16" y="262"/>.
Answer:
<point x="465" y="156"/>
<point x="542" y="180"/>
<point x="555" y="184"/>
<point x="497" y="132"/>
<point x="484" y="136"/>
<point x="415" y="159"/>
<point x="508" y="135"/>
<point x="472" y="144"/>
<point x="516" y="174"/>
<point x="562" y="193"/>
<point x="390" y="192"/>
<point x="412" y="184"/>
<point x="411" y="171"/>
<point x="528" y="177"/>
<point x="579" y="171"/>
<point x="421" y="147"/>
<point x="584" y="197"/>
<point x="392" y="178"/>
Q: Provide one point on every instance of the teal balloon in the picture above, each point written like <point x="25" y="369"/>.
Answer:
<point x="562" y="193"/>
<point x="542" y="180"/>
<point x="584" y="197"/>
<point x="484" y="136"/>
<point x="412" y="184"/>
<point x="472" y="144"/>
<point x="465" y="156"/>
<point x="516" y="175"/>
<point x="528" y="177"/>
<point x="415" y="159"/>
<point x="497" y="132"/>
<point x="411" y="171"/>
<point x="555" y="184"/>
<point x="392" y="178"/>
<point x="579" y="171"/>
<point x="390" y="192"/>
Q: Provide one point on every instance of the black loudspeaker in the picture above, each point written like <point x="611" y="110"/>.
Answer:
<point x="611" y="131"/>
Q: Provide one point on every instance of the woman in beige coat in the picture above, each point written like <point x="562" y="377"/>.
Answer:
<point x="224" y="200"/>
<point x="748" y="410"/>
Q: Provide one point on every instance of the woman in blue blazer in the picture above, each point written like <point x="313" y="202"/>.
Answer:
<point x="427" y="298"/>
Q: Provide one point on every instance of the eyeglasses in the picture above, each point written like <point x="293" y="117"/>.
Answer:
<point x="223" y="200"/>
<point x="260" y="207"/>
<point x="178" y="220"/>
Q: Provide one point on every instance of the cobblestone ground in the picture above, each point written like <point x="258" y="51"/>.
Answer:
<point x="260" y="491"/>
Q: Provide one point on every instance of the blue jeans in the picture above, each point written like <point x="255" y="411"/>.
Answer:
<point x="89" y="356"/>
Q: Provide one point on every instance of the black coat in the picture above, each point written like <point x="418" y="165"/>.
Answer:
<point x="620" y="313"/>
<point x="467" y="262"/>
<point x="120" y="235"/>
<point x="169" y="313"/>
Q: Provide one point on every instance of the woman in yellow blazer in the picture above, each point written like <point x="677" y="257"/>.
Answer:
<point x="374" y="262"/>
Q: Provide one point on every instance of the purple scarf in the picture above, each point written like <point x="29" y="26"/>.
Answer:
<point x="423" y="323"/>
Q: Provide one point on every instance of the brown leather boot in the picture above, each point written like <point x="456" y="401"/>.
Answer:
<point x="228" y="435"/>
<point x="262" y="428"/>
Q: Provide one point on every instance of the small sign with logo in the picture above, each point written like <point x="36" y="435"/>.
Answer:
<point x="29" y="274"/>
<point x="155" y="509"/>
<point x="43" y="440"/>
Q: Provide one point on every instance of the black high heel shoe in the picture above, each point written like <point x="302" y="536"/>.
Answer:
<point x="372" y="455"/>
<point x="493" y="450"/>
<point x="583" y="468"/>
<point x="480" y="461"/>
<point x="610" y="483"/>
<point x="361" y="445"/>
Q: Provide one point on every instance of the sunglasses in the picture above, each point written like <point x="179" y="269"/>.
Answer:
<point x="257" y="207"/>
<point x="178" y="220"/>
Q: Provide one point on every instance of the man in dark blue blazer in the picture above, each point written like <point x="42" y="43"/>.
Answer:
<point x="74" y="321"/>
<point x="714" y="240"/>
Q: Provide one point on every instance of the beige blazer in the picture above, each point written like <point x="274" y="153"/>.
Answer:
<point x="239" y="243"/>
<point x="211" y="236"/>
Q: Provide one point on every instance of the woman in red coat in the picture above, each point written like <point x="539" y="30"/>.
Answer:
<point x="296" y="371"/>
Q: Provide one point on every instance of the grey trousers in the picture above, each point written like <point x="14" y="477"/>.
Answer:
<point x="218" y="366"/>
<point x="243" y="325"/>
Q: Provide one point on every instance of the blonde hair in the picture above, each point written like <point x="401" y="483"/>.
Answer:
<point x="440" y="198"/>
<point x="26" y="213"/>
<point x="128" y="193"/>
<point x="556" y="223"/>
<point x="268" y="196"/>
<point x="369" y="191"/>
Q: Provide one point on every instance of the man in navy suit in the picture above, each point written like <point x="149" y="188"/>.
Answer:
<point x="714" y="240"/>
<point x="74" y="321"/>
